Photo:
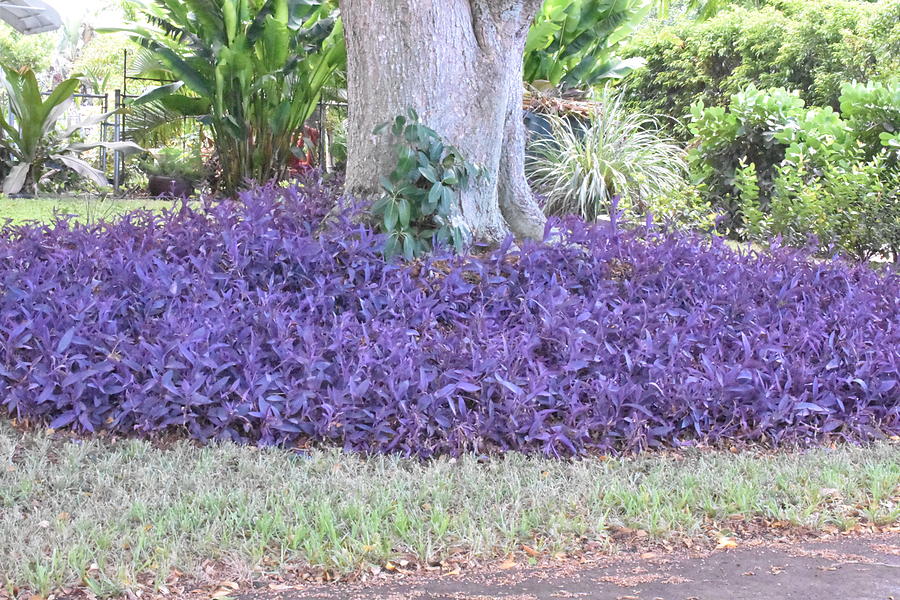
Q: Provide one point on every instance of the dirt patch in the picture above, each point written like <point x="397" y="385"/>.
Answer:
<point x="841" y="567"/>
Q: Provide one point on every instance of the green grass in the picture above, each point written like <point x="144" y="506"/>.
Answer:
<point x="23" y="210"/>
<point x="108" y="513"/>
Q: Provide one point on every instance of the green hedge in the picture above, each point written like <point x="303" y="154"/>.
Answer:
<point x="776" y="168"/>
<point x="809" y="45"/>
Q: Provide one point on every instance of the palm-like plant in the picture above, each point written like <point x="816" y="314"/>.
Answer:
<point x="573" y="43"/>
<point x="251" y="70"/>
<point x="587" y="163"/>
<point x="33" y="140"/>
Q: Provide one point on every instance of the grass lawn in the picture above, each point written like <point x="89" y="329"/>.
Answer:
<point x="22" y="210"/>
<point x="110" y="514"/>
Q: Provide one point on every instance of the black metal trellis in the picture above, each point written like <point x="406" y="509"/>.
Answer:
<point x="121" y="98"/>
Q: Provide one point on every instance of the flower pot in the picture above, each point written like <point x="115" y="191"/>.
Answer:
<point x="161" y="186"/>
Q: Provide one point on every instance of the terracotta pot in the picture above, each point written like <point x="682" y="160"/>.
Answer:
<point x="172" y="187"/>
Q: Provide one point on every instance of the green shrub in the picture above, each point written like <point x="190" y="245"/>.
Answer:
<point x="854" y="209"/>
<point x="175" y="162"/>
<point x="416" y="207"/>
<point x="20" y="51"/>
<point x="778" y="168"/>
<point x="810" y="45"/>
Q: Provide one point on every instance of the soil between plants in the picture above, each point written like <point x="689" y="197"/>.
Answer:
<point x="839" y="568"/>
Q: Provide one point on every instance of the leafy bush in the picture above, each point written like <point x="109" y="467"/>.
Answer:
<point x="854" y="209"/>
<point x="175" y="162"/>
<point x="613" y="152"/>
<point x="417" y="206"/>
<point x="240" y="321"/>
<point x="786" y="170"/>
<point x="20" y="51"/>
<point x="872" y="112"/>
<point x="809" y="45"/>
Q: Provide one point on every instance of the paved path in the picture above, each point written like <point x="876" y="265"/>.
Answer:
<point x="863" y="568"/>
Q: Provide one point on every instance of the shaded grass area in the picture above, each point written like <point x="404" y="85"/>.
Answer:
<point x="86" y="210"/>
<point x="108" y="514"/>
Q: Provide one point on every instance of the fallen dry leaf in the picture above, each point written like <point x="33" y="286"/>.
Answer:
<point x="224" y="590"/>
<point x="726" y="543"/>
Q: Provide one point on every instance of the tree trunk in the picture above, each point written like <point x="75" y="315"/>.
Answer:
<point x="459" y="64"/>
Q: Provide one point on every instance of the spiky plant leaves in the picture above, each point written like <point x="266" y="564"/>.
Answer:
<point x="612" y="153"/>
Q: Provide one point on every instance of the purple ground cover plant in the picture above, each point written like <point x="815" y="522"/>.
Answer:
<point x="240" y="321"/>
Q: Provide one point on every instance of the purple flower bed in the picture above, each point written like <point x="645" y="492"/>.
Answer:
<point x="242" y="323"/>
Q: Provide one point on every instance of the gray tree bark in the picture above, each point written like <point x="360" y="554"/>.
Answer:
<point x="459" y="64"/>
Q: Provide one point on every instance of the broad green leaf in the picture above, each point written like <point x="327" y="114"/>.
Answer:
<point x="404" y="213"/>
<point x="391" y="216"/>
<point x="436" y="193"/>
<point x="429" y="173"/>
<point x="156" y="93"/>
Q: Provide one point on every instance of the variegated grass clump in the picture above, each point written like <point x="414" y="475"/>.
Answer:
<point x="614" y="152"/>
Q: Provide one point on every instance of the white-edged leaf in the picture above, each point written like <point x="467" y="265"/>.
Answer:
<point x="126" y="148"/>
<point x="16" y="179"/>
<point x="82" y="168"/>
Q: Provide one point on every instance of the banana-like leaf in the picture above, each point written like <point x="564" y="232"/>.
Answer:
<point x="61" y="94"/>
<point x="54" y="115"/>
<point x="89" y="122"/>
<point x="187" y="106"/>
<point x="156" y="93"/>
<point x="126" y="148"/>
<point x="12" y="134"/>
<point x="617" y="68"/>
<point x="183" y="70"/>
<point x="574" y="42"/>
<point x="82" y="168"/>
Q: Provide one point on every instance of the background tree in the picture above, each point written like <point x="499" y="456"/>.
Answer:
<point x="32" y="51"/>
